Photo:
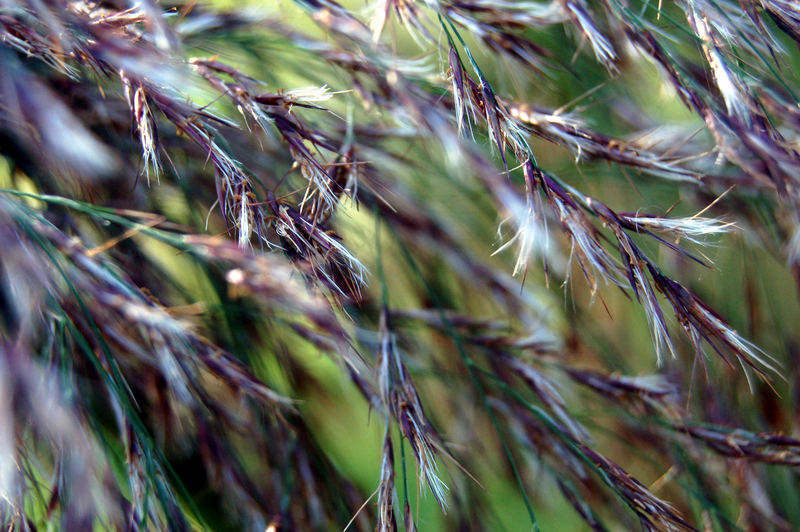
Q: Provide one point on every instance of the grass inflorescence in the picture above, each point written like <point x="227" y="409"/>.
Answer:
<point x="420" y="265"/>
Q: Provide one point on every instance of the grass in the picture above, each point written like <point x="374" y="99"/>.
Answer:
<point x="417" y="265"/>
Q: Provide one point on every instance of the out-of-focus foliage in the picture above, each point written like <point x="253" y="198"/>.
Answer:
<point x="440" y="265"/>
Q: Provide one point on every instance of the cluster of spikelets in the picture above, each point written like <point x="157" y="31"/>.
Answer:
<point x="129" y="402"/>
